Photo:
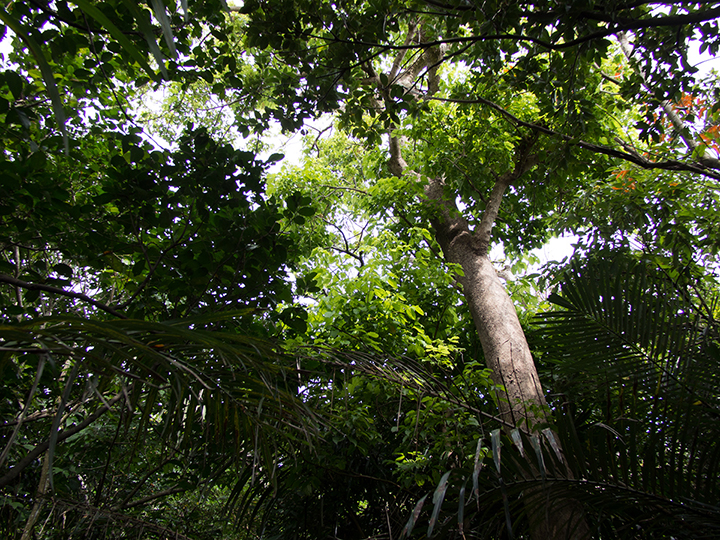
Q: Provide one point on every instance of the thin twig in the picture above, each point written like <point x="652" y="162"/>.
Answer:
<point x="4" y="278"/>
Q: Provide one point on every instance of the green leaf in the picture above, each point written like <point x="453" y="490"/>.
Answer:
<point x="438" y="498"/>
<point x="118" y="35"/>
<point x="63" y="269"/>
<point x="47" y="74"/>
<point x="15" y="83"/>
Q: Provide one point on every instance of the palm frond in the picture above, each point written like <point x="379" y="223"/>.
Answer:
<point x="636" y="358"/>
<point x="635" y="361"/>
<point x="228" y="388"/>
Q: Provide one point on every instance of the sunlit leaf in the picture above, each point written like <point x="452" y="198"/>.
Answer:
<point x="47" y="73"/>
<point x="117" y="34"/>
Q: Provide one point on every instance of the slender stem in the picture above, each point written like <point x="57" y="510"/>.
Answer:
<point x="43" y="446"/>
<point x="28" y="401"/>
<point x="18" y="295"/>
<point x="524" y="160"/>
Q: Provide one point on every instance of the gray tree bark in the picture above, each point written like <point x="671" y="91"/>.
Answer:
<point x="507" y="354"/>
<point x="503" y="341"/>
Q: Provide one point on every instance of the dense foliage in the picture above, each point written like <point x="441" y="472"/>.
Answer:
<point x="196" y="345"/>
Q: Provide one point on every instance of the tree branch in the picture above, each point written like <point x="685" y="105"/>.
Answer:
<point x="669" y="165"/>
<point x="40" y="448"/>
<point x="706" y="158"/>
<point x="4" y="278"/>
<point x="397" y="63"/>
<point x="628" y="24"/>
<point x="524" y="161"/>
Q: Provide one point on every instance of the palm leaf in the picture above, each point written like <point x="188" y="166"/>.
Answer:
<point x="118" y="35"/>
<point x="161" y="15"/>
<point x="213" y="380"/>
<point x="637" y="360"/>
<point x="143" y="21"/>
<point x="438" y="498"/>
<point x="637" y="354"/>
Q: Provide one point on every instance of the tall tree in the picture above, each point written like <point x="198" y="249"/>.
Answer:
<point x="530" y="94"/>
<point x="537" y="77"/>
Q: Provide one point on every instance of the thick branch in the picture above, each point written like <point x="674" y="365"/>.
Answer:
<point x="483" y="232"/>
<point x="397" y="164"/>
<point x="448" y="223"/>
<point x="524" y="161"/>
<point x="4" y="278"/>
<point x="706" y="159"/>
<point x="397" y="64"/>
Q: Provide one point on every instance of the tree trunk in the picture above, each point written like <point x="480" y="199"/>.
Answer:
<point x="501" y="335"/>
<point x="522" y="402"/>
<point x="507" y="354"/>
